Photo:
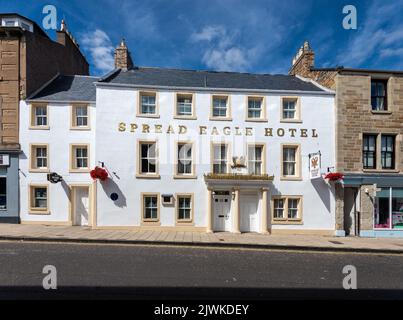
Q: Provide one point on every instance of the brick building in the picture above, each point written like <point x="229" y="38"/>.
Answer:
<point x="28" y="60"/>
<point x="369" y="149"/>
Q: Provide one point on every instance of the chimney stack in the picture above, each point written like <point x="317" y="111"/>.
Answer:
<point x="303" y="61"/>
<point x="123" y="59"/>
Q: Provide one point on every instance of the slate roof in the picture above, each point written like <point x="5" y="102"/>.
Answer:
<point x="208" y="79"/>
<point x="68" y="88"/>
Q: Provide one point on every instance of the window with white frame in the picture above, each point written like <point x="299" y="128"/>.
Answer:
<point x="148" y="105"/>
<point x="39" y="116"/>
<point x="80" y="157"/>
<point x="150" y="207"/>
<point x="255" y="159"/>
<point x="289" y="111"/>
<point x="184" y="105"/>
<point x="39" y="156"/>
<point x="287" y="209"/>
<point x="220" y="106"/>
<point x="184" y="208"/>
<point x="255" y="108"/>
<point x="148" y="158"/>
<point x="80" y="116"/>
<point x="220" y="158"/>
<point x="290" y="159"/>
<point x="185" y="160"/>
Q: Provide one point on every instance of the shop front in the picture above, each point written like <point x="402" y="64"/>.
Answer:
<point x="9" y="187"/>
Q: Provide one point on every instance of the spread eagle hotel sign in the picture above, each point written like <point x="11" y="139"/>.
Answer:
<point x="314" y="165"/>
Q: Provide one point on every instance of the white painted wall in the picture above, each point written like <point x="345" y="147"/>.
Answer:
<point x="119" y="152"/>
<point x="59" y="137"/>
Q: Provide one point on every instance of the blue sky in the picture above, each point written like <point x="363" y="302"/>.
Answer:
<point x="234" y="35"/>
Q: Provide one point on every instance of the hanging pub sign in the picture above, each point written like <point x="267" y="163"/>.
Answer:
<point x="314" y="165"/>
<point x="4" y="160"/>
<point x="53" y="177"/>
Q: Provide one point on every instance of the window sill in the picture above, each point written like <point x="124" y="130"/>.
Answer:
<point x="39" y="170"/>
<point x="154" y="223"/>
<point x="290" y="121"/>
<point x="255" y="120"/>
<point x="189" y="223"/>
<point x="381" y="112"/>
<point x="79" y="170"/>
<point x="39" y="212"/>
<point x="185" y="177"/>
<point x="156" y="116"/>
<point x="148" y="176"/>
<point x="185" y="117"/>
<point x="80" y="128"/>
<point x="219" y="119"/>
<point x="380" y="171"/>
<point x="39" y="128"/>
<point x="289" y="222"/>
<point x="290" y="178"/>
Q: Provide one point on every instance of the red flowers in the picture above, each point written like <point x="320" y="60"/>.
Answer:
<point x="334" y="176"/>
<point x="99" y="173"/>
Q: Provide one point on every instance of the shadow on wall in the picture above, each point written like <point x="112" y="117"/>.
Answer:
<point x="109" y="186"/>
<point x="323" y="190"/>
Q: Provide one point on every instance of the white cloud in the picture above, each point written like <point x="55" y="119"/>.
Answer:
<point x="100" y="47"/>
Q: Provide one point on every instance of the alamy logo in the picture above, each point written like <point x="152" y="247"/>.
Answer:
<point x="350" y="280"/>
<point x="50" y="280"/>
<point x="50" y="20"/>
<point x="350" y="20"/>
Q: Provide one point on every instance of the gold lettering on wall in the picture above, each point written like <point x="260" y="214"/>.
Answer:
<point x="214" y="132"/>
<point x="280" y="132"/>
<point x="182" y="129"/>
<point x="268" y="132"/>
<point x="133" y="127"/>
<point x="203" y="130"/>
<point x="158" y="128"/>
<point x="292" y="132"/>
<point x="170" y="130"/>
<point x="227" y="131"/>
<point x="304" y="133"/>
<point x="249" y="131"/>
<point x="122" y="126"/>
<point x="314" y="133"/>
<point x="146" y="128"/>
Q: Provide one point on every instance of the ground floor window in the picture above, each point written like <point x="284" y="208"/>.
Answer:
<point x="388" y="213"/>
<point x="3" y="193"/>
<point x="39" y="199"/>
<point x="184" y="208"/>
<point x="287" y="209"/>
<point x="150" y="207"/>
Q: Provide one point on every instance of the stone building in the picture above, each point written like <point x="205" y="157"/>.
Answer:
<point x="28" y="60"/>
<point x="369" y="149"/>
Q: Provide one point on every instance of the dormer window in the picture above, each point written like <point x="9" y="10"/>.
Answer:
<point x="17" y="22"/>
<point x="379" y="95"/>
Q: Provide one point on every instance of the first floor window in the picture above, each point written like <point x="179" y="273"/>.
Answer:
<point x="80" y="157"/>
<point x="220" y="106"/>
<point x="39" y="198"/>
<point x="40" y="116"/>
<point x="255" y="162"/>
<point x="369" y="151"/>
<point x="184" y="208"/>
<point x="290" y="161"/>
<point x="378" y="95"/>
<point x="255" y="108"/>
<point x="80" y="116"/>
<point x="148" y="158"/>
<point x="185" y="162"/>
<point x="150" y="207"/>
<point x="388" y="151"/>
<point x="220" y="158"/>
<point x="40" y="154"/>
<point x="289" y="109"/>
<point x="148" y="104"/>
<point x="287" y="208"/>
<point x="184" y="105"/>
<point x="3" y="193"/>
<point x="388" y="209"/>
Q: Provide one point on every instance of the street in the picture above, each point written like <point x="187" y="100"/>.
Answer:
<point x="92" y="270"/>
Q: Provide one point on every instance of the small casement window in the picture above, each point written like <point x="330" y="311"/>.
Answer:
<point x="150" y="207"/>
<point x="185" y="161"/>
<point x="287" y="209"/>
<point x="255" y="108"/>
<point x="80" y="157"/>
<point x="289" y="109"/>
<point x="255" y="159"/>
<point x="40" y="116"/>
<point x="379" y="95"/>
<point x="184" y="208"/>
<point x="369" y="151"/>
<point x="388" y="151"/>
<point x="80" y="116"/>
<point x="220" y="106"/>
<point x="39" y="157"/>
<point x="3" y="193"/>
<point x="290" y="161"/>
<point x="148" y="103"/>
<point x="184" y="105"/>
<point x="39" y="198"/>
<point x="220" y="159"/>
<point x="148" y="158"/>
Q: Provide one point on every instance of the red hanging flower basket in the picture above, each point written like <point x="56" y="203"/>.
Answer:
<point x="334" y="176"/>
<point x="99" y="173"/>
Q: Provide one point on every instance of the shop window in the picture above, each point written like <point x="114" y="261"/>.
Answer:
<point x="3" y="193"/>
<point x="389" y="209"/>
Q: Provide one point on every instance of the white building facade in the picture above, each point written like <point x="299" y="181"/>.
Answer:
<point x="184" y="150"/>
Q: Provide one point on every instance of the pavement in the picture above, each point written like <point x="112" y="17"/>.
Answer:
<point x="178" y="238"/>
